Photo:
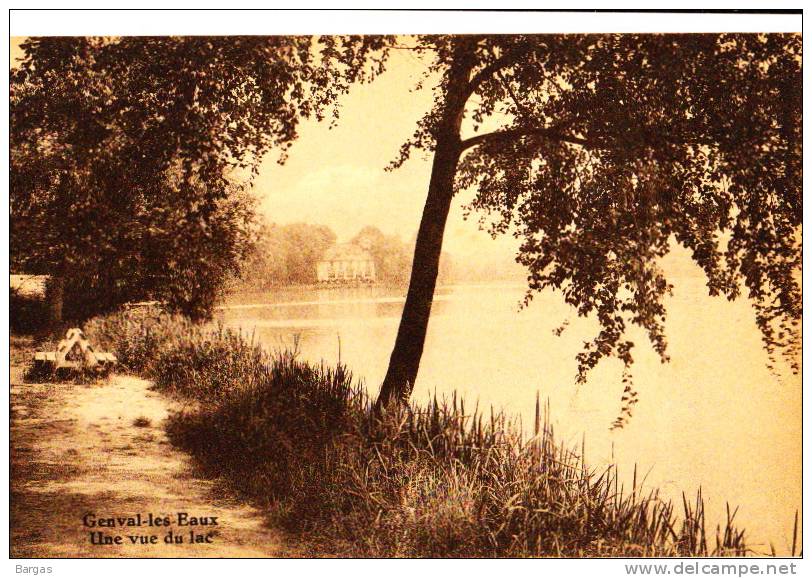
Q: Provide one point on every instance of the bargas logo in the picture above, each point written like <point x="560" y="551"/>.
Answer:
<point x="33" y="570"/>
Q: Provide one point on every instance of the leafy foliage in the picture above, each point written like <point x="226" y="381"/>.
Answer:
<point x="611" y="148"/>
<point x="125" y="152"/>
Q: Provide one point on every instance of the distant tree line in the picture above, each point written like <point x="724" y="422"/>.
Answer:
<point x="393" y="256"/>
<point x="122" y="153"/>
<point x="287" y="255"/>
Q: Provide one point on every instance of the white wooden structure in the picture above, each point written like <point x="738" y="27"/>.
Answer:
<point x="75" y="352"/>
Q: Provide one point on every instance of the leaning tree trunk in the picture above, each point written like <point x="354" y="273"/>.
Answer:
<point x="405" y="360"/>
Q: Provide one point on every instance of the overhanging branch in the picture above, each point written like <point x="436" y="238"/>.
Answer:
<point x="507" y="135"/>
<point x="507" y="59"/>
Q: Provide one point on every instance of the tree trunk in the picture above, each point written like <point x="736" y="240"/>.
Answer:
<point x="405" y="360"/>
<point x="55" y="296"/>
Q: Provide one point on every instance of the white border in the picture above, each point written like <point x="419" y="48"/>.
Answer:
<point x="265" y="22"/>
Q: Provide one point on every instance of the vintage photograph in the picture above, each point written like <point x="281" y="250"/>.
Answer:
<point x="480" y="295"/>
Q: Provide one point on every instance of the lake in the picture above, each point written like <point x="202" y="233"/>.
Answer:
<point x="714" y="416"/>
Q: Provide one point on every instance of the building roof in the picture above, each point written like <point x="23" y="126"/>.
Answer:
<point x="346" y="252"/>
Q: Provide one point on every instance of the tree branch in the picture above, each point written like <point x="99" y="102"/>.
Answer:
<point x="548" y="133"/>
<point x="521" y="109"/>
<point x="507" y="59"/>
<point x="397" y="46"/>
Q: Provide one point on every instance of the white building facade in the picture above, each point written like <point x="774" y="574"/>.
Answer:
<point x="346" y="263"/>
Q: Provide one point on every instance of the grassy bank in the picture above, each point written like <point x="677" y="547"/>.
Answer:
<point x="439" y="480"/>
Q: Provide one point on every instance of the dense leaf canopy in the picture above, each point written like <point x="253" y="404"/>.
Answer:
<point x="601" y="151"/>
<point x="124" y="152"/>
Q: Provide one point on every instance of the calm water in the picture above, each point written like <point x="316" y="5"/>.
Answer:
<point x="714" y="416"/>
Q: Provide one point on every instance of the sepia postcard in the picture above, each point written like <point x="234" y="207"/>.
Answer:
<point x="481" y="293"/>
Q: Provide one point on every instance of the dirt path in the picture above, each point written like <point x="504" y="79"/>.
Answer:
<point x="99" y="450"/>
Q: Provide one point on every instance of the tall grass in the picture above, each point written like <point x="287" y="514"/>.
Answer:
<point x="439" y="480"/>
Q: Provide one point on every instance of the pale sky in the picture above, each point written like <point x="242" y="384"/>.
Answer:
<point x="336" y="177"/>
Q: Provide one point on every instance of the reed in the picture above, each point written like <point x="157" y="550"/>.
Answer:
<point x="438" y="480"/>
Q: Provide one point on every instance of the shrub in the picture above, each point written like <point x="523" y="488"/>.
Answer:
<point x="139" y="336"/>
<point x="27" y="315"/>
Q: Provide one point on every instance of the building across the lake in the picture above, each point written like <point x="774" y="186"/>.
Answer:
<point x="346" y="263"/>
